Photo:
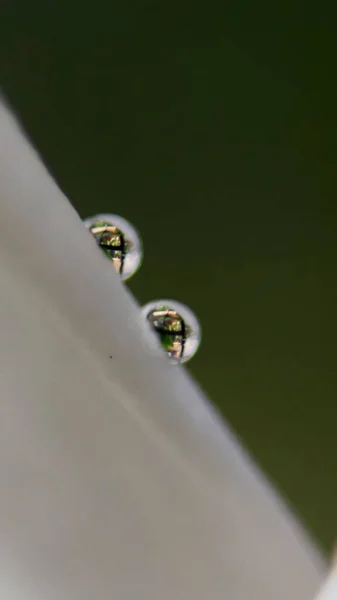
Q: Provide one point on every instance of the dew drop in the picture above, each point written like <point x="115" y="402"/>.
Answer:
<point x="119" y="241"/>
<point x="177" y="328"/>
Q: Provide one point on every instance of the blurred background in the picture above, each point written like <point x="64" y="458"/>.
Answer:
<point x="212" y="128"/>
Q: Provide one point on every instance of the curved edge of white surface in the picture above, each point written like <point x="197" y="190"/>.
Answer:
<point x="118" y="478"/>
<point x="328" y="590"/>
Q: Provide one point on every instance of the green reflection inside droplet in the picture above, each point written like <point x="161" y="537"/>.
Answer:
<point x="177" y="328"/>
<point x="171" y="329"/>
<point x="119" y="242"/>
<point x="112" y="242"/>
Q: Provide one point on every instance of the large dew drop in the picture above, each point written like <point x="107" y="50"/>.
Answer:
<point x="177" y="328"/>
<point x="119" y="241"/>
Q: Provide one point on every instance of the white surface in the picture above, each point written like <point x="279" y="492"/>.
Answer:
<point x="117" y="481"/>
<point x="329" y="589"/>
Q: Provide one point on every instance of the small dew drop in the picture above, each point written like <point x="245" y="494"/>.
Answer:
<point x="177" y="328"/>
<point x="119" y="241"/>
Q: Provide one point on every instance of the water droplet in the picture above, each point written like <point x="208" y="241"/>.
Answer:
<point x="177" y="327"/>
<point x="119" y="241"/>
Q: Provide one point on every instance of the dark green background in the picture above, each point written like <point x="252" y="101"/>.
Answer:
<point x="212" y="128"/>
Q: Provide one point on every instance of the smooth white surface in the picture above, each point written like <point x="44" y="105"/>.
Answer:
<point x="116" y="479"/>
<point x="329" y="589"/>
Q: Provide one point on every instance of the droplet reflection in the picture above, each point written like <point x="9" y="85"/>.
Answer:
<point x="177" y="328"/>
<point x="119" y="241"/>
